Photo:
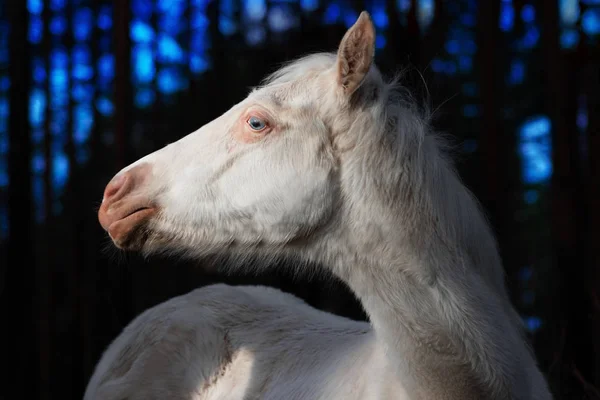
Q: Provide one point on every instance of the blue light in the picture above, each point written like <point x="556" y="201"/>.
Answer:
<point x="59" y="58"/>
<point x="170" y="25"/>
<point x="106" y="67"/>
<point x="465" y="64"/>
<point x="36" y="29"/>
<point x="38" y="163"/>
<point x="532" y="324"/>
<point x="83" y="72"/>
<point x="199" y="64"/>
<point x="309" y="5"/>
<point x="144" y="97"/>
<point x="4" y="107"/>
<point x="380" y="41"/>
<point x="4" y="83"/>
<point x="255" y="35"/>
<point x="227" y="26"/>
<point x="170" y="80"/>
<point x="3" y="144"/>
<point x="437" y="65"/>
<point x="37" y="188"/>
<point x="82" y="54"/>
<point x="590" y="21"/>
<point x="582" y="118"/>
<point x="58" y="25"/>
<point x="82" y="92"/>
<point x="39" y="70"/>
<point x="4" y="180"/>
<point x="468" y="20"/>
<point x="83" y="122"/>
<point x="142" y="9"/>
<point x="350" y="17"/>
<point x="105" y="106"/>
<point x="468" y="46"/>
<point x="37" y="136"/>
<point x="57" y="5"/>
<point x="199" y="21"/>
<point x="169" y="51"/>
<point x="532" y="35"/>
<point x="143" y="64"/>
<point x="380" y="18"/>
<point x="425" y="12"/>
<point x="450" y="68"/>
<point x="141" y="32"/>
<point x="403" y="5"/>
<point x="82" y="155"/>
<point x="569" y="11"/>
<point x="569" y="38"/>
<point x="517" y="72"/>
<point x="525" y="274"/>
<point x="227" y="7"/>
<point x="281" y="18"/>
<point x="201" y="4"/>
<point x="591" y="2"/>
<point x="104" y="44"/>
<point x="452" y="46"/>
<point x="104" y="19"/>
<point x="199" y="42"/>
<point x="35" y="6"/>
<point x="255" y="9"/>
<point x="535" y="128"/>
<point x="535" y="150"/>
<point x="60" y="170"/>
<point x="332" y="13"/>
<point x="171" y="6"/>
<point x="531" y="196"/>
<point x="528" y="13"/>
<point x="507" y="16"/>
<point x="37" y="107"/>
<point x="470" y="110"/>
<point x="82" y="24"/>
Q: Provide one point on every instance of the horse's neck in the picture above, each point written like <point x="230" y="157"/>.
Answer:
<point x="435" y="313"/>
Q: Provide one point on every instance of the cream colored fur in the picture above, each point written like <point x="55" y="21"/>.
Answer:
<point x="355" y="179"/>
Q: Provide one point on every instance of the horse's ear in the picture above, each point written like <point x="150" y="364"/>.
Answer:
<point x="355" y="54"/>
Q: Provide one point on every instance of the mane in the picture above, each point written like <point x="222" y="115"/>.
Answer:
<point x="420" y="164"/>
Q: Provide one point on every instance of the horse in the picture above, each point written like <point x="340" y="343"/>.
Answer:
<point x="329" y="162"/>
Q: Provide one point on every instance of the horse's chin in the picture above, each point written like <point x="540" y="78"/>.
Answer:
<point x="132" y="231"/>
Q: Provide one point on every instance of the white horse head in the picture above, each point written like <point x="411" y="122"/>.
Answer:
<point x="265" y="173"/>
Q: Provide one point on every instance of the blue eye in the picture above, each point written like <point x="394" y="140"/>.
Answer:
<point x="256" y="124"/>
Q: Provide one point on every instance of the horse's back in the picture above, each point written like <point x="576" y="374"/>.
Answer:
<point x="235" y="342"/>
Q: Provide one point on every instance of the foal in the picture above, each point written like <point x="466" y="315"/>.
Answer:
<point x="326" y="162"/>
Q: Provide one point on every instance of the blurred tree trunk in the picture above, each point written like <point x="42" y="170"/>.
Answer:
<point x="20" y="341"/>
<point x="568" y="206"/>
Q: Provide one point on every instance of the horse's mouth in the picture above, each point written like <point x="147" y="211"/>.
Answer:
<point x="124" y="226"/>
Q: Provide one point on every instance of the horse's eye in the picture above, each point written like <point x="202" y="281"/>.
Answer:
<point x="256" y="124"/>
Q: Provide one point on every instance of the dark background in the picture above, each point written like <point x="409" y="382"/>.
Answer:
<point x="86" y="87"/>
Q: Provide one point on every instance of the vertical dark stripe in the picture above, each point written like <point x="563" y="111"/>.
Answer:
<point x="568" y="207"/>
<point x="19" y="330"/>
<point x="496" y="145"/>
<point x="591" y="82"/>
<point x="44" y="276"/>
<point x="123" y="100"/>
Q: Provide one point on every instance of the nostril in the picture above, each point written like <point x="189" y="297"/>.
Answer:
<point x="114" y="186"/>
